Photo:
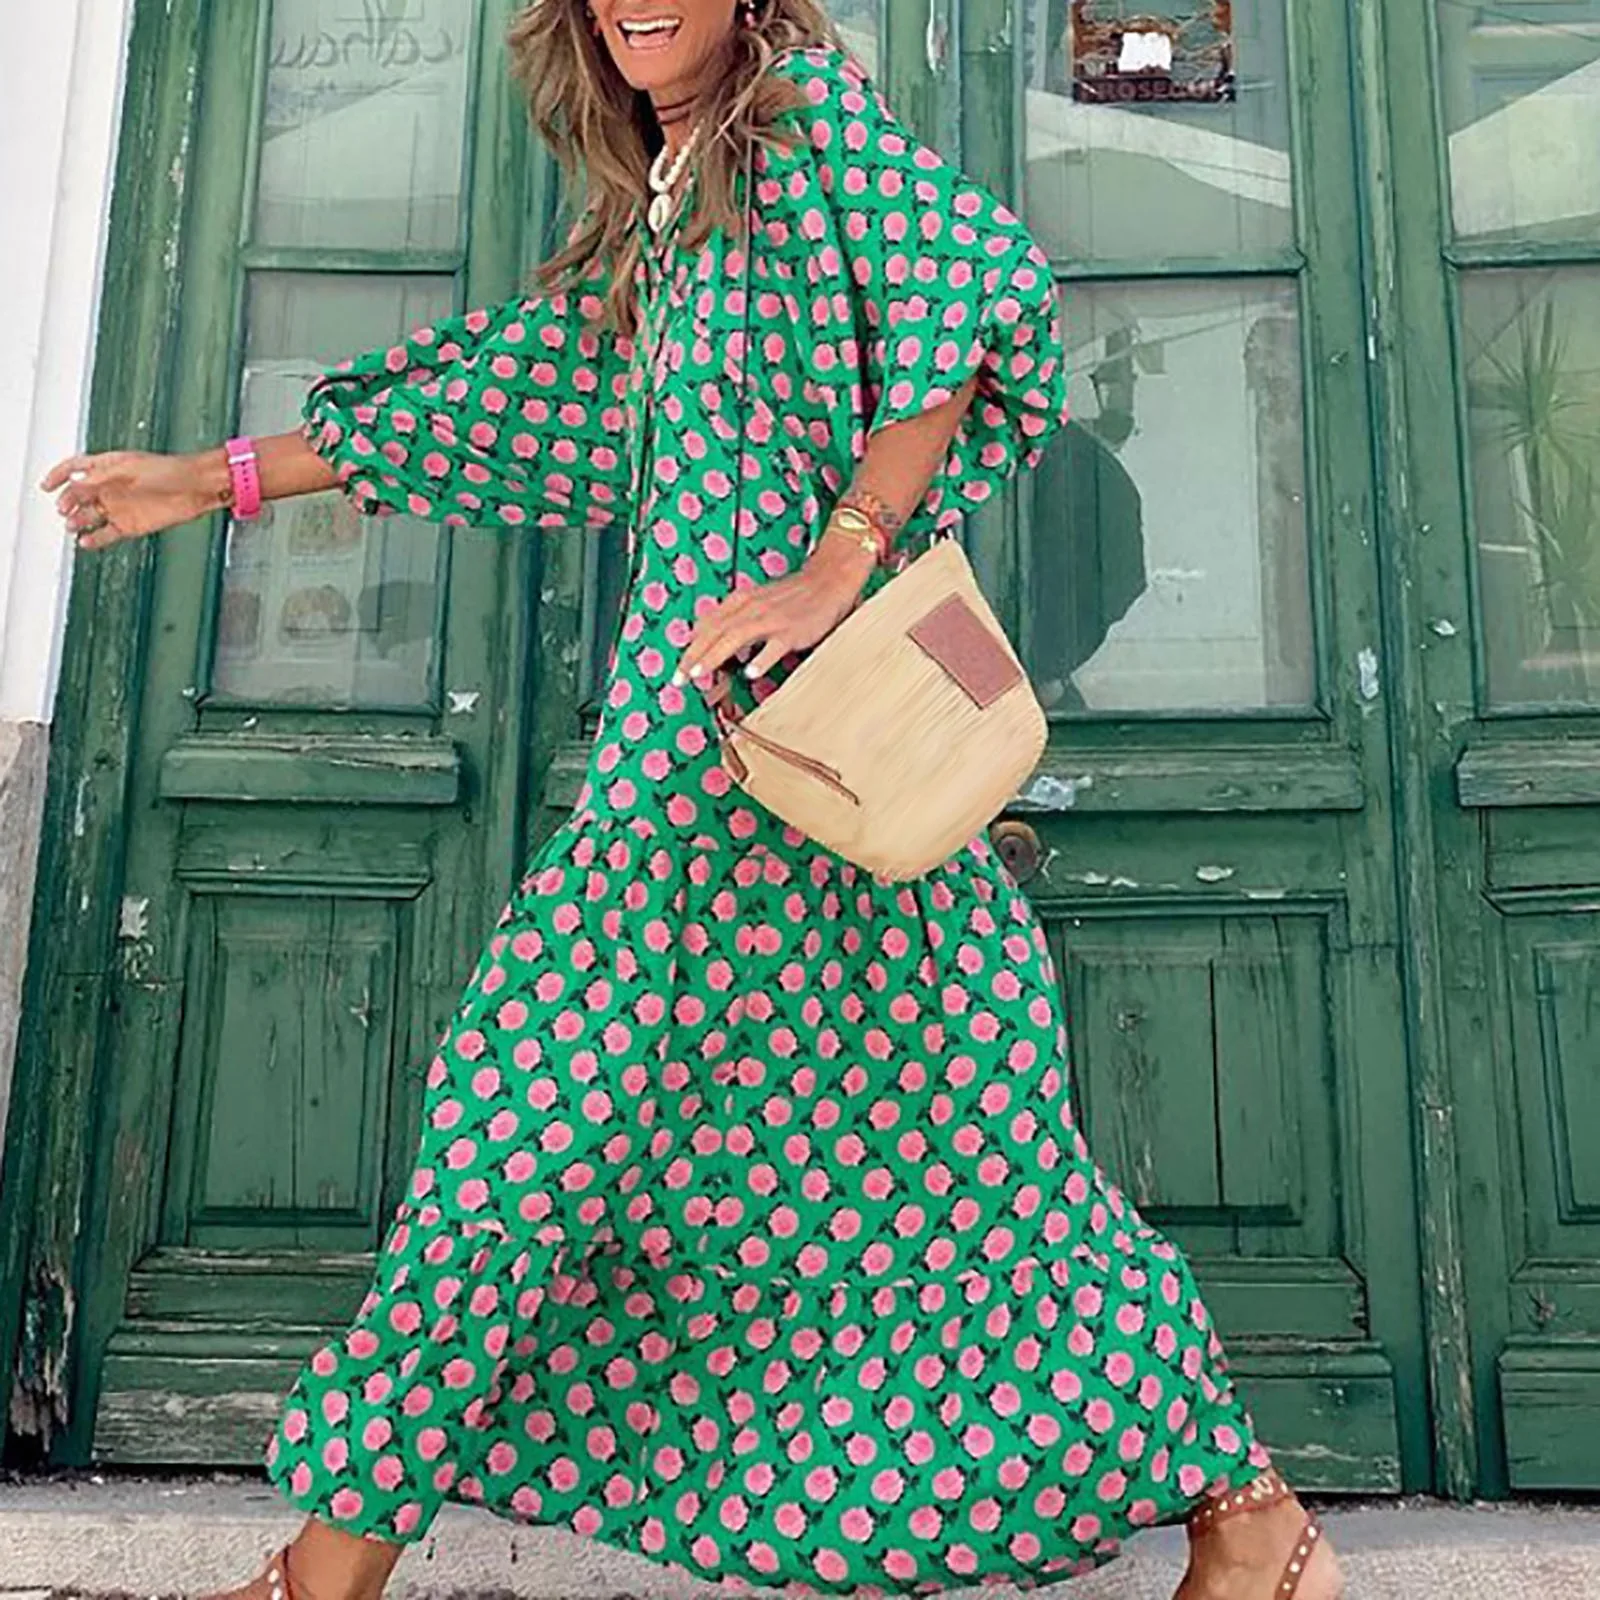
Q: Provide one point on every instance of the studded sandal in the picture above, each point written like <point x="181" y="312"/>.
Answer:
<point x="1265" y="1490"/>
<point x="278" y="1577"/>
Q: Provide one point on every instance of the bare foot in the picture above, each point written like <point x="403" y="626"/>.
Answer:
<point x="1247" y="1557"/>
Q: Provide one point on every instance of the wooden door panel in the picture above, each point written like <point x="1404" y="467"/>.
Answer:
<point x="1212" y="1078"/>
<point x="209" y="1343"/>
<point x="1191" y="1037"/>
<point x="279" y="1133"/>
<point x="1553" y="984"/>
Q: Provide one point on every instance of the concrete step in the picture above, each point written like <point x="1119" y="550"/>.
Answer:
<point x="102" y="1536"/>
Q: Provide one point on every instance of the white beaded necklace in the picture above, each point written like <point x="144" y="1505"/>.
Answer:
<point x="664" y="177"/>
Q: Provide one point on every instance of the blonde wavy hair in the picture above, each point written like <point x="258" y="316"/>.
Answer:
<point x="604" y="133"/>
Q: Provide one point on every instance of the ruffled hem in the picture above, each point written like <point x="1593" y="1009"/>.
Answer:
<point x="884" y="1440"/>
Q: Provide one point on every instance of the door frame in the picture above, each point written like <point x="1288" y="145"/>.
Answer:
<point x="72" y="946"/>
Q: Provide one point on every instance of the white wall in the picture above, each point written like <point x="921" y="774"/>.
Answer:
<point x="60" y="101"/>
<point x="60" y="93"/>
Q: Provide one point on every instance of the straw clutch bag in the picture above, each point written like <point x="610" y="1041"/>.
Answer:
<point x="903" y="733"/>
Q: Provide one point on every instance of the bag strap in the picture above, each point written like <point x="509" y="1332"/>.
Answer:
<point x="731" y="720"/>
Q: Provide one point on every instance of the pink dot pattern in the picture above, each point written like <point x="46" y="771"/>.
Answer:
<point x="751" y="1228"/>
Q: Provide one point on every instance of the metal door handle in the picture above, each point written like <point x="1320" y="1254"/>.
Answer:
<point x="1018" y="846"/>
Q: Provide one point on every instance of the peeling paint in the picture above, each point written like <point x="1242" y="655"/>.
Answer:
<point x="80" y="814"/>
<point x="1214" y="874"/>
<point x="1444" y="627"/>
<point x="1367" y="672"/>
<point x="135" y="920"/>
<point x="463" y="702"/>
<point x="1050" y="793"/>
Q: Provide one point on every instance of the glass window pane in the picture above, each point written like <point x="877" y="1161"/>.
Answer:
<point x="1169" y="567"/>
<point x="364" y="123"/>
<point x="1533" y="373"/>
<point x="320" y="605"/>
<point x="1522" y="102"/>
<point x="861" y="27"/>
<point x="1114" y="182"/>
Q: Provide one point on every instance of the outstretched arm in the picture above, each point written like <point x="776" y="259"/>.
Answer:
<point x="126" y="494"/>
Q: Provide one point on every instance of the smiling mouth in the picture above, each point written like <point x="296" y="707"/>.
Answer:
<point x="650" y="33"/>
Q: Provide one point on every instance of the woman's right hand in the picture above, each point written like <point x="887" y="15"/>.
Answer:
<point x="125" y="494"/>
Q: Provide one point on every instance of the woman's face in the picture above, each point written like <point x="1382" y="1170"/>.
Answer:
<point x="662" y="46"/>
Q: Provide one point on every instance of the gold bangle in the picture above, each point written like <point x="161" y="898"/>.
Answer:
<point x="865" y="540"/>
<point x="861" y="526"/>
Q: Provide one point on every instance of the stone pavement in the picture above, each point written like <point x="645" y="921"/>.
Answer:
<point x="94" y="1537"/>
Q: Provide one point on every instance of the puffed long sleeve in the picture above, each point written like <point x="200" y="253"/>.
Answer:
<point x="916" y="279"/>
<point x="506" y="417"/>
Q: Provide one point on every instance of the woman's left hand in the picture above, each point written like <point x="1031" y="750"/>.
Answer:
<point x="792" y="614"/>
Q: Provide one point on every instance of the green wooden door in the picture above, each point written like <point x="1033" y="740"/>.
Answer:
<point x="327" y="789"/>
<point x="1193" y="577"/>
<point x="1494" y="467"/>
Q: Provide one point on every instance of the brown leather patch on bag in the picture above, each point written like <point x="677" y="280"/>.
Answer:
<point x="954" y="635"/>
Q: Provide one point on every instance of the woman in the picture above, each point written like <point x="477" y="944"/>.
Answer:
<point x="750" y="1229"/>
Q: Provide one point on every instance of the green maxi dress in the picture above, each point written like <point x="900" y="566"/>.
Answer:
<point x="751" y="1229"/>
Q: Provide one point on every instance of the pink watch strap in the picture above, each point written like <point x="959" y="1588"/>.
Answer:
<point x="245" y="472"/>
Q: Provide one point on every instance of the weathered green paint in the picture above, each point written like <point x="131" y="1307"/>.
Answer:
<point x="1389" y="134"/>
<point x="230" y="969"/>
<point x="1259" y="778"/>
<point x="1554" y="771"/>
<point x="48" y="1153"/>
<point x="1505" y="841"/>
<point x="312" y="768"/>
<point x="1551" y="1396"/>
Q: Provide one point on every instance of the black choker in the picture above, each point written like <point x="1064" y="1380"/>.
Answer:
<point x="673" y="111"/>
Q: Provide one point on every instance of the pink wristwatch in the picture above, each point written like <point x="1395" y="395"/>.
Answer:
<point x="244" y="472"/>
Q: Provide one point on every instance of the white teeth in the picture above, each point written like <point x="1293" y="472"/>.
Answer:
<point x="655" y="25"/>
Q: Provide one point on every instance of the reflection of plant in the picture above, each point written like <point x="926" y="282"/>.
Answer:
<point x="1568" y="532"/>
<point x="1542" y="401"/>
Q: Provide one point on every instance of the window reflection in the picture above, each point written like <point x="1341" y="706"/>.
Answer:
<point x="1118" y="182"/>
<point x="364" y="123"/>
<point x="1533" y="373"/>
<point x="1169" y="563"/>
<point x="1522" y="101"/>
<point x="320" y="605"/>
<point x="858" y="24"/>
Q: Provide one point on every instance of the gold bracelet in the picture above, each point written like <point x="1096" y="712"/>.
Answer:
<point x="865" y="540"/>
<point x="864" y="528"/>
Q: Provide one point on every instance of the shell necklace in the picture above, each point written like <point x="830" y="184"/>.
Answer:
<point x="664" y="176"/>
